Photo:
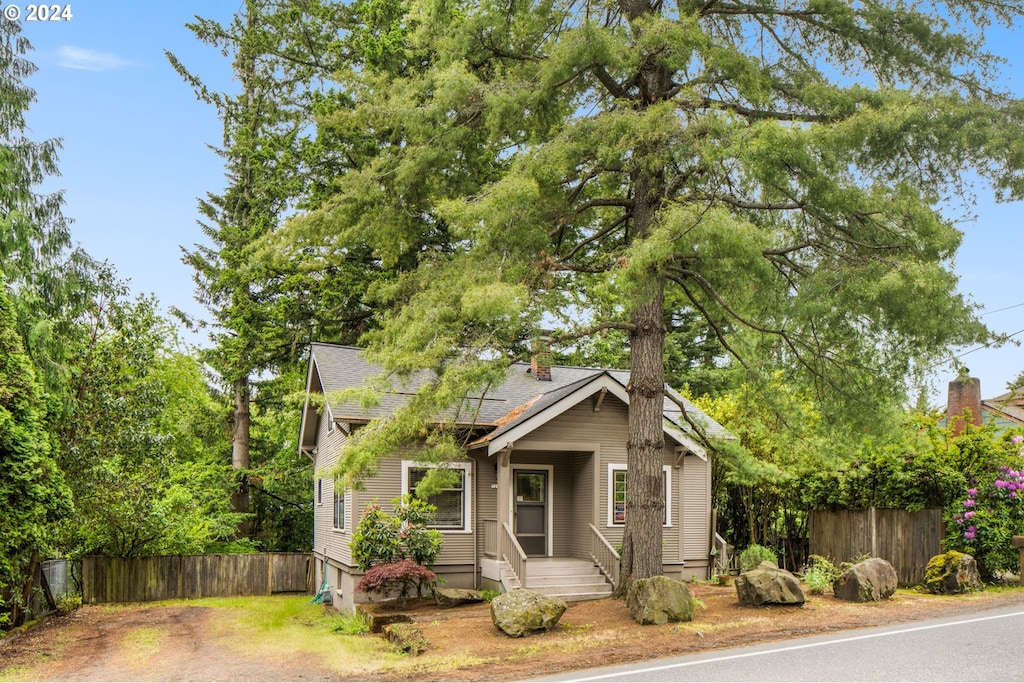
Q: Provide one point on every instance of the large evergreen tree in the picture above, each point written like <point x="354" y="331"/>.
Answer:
<point x="33" y="494"/>
<point x="265" y="310"/>
<point x="48" y="280"/>
<point x="772" y="167"/>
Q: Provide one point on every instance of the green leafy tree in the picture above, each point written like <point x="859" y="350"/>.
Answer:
<point x="142" y="448"/>
<point x="772" y="168"/>
<point x="33" y="493"/>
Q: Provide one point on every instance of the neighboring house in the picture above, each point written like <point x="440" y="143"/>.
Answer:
<point x="1003" y="411"/>
<point x="541" y="496"/>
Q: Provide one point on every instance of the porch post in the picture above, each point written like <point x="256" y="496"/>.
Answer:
<point x="504" y="456"/>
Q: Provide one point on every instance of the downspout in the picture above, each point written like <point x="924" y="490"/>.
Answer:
<point x="476" y="528"/>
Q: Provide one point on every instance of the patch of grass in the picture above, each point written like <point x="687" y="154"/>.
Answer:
<point x="35" y="668"/>
<point x="430" y="663"/>
<point x="703" y="629"/>
<point x="143" y="643"/>
<point x="289" y="624"/>
<point x="349" y="624"/>
<point x="575" y="628"/>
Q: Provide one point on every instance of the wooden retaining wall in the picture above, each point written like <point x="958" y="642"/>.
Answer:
<point x="906" y="539"/>
<point x="145" y="579"/>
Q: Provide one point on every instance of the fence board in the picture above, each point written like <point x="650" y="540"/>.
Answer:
<point x="290" y="573"/>
<point x="144" y="579"/>
<point x="906" y="539"/>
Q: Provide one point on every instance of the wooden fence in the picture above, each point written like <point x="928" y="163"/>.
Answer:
<point x="906" y="539"/>
<point x="144" y="579"/>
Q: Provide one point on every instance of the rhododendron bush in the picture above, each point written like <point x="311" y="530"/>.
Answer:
<point x="991" y="513"/>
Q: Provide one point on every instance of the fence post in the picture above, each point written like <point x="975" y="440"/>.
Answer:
<point x="270" y="573"/>
<point x="1018" y="543"/>
<point x="873" y="523"/>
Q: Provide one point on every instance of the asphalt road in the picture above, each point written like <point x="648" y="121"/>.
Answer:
<point x="985" y="646"/>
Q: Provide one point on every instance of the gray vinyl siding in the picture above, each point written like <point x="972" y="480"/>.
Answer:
<point x="330" y="542"/>
<point x="387" y="485"/>
<point x="696" y="508"/>
<point x="486" y="493"/>
<point x="582" y="503"/>
<point x="581" y="427"/>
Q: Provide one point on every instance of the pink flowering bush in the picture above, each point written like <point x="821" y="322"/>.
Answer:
<point x="991" y="513"/>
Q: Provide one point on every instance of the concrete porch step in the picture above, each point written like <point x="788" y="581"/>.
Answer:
<point x="567" y="578"/>
<point x="536" y="582"/>
<point x="577" y="591"/>
<point x="552" y="566"/>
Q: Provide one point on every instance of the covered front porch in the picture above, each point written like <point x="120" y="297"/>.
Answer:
<point x="542" y="533"/>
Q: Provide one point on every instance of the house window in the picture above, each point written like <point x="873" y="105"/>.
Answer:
<point x="339" y="504"/>
<point x="617" y="477"/>
<point x="452" y="503"/>
<point x="319" y="491"/>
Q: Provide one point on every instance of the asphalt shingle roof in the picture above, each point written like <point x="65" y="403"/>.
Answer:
<point x="517" y="399"/>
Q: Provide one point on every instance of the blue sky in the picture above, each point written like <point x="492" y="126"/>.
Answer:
<point x="136" y="158"/>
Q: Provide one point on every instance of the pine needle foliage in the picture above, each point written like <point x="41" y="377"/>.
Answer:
<point x="774" y="168"/>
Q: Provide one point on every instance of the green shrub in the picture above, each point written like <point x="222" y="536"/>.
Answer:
<point x="383" y="538"/>
<point x="820" y="575"/>
<point x="983" y="522"/>
<point x="754" y="555"/>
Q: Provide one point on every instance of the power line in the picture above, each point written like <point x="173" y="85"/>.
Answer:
<point x="988" y="346"/>
<point x="1000" y="310"/>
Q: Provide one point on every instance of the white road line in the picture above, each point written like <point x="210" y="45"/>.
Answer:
<point x="791" y="648"/>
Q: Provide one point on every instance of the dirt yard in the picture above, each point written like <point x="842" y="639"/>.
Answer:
<point x="182" y="642"/>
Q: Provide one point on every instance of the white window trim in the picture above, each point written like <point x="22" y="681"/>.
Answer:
<point x="319" y="493"/>
<point x="344" y="505"/>
<point x="467" y="490"/>
<point x="330" y="420"/>
<point x="614" y="467"/>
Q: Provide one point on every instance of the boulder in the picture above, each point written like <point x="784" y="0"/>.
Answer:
<point x="868" y="581"/>
<point x="453" y="597"/>
<point x="659" y="600"/>
<point x="768" y="585"/>
<point x="522" y="612"/>
<point x="951" y="573"/>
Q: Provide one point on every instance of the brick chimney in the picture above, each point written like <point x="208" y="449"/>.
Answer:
<point x="964" y="394"/>
<point x="540" y="361"/>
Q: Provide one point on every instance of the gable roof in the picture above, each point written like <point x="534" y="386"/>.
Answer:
<point x="1008" y="407"/>
<point x="518" y="406"/>
<point x="1004" y="411"/>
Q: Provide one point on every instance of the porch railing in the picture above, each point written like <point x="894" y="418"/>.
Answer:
<point x="512" y="553"/>
<point x="491" y="537"/>
<point x="604" y="556"/>
<point x="722" y="553"/>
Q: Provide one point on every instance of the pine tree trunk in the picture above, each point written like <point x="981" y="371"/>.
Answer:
<point x="645" y="447"/>
<point x="240" y="454"/>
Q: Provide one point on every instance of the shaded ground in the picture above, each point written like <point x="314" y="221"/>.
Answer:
<point x="178" y="642"/>
<point x="141" y="643"/>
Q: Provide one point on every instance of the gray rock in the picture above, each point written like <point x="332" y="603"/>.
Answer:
<point x="868" y="581"/>
<point x="951" y="573"/>
<point x="522" y="612"/>
<point x="453" y="597"/>
<point x="768" y="585"/>
<point x="659" y="600"/>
